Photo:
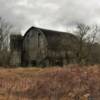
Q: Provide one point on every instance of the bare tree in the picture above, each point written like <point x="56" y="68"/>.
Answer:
<point x="5" y="31"/>
<point x="86" y="38"/>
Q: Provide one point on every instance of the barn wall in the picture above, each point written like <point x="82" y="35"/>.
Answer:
<point x="15" y="58"/>
<point x="34" y="47"/>
<point x="15" y="49"/>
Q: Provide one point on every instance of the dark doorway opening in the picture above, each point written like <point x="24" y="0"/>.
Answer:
<point x="58" y="63"/>
<point x="33" y="62"/>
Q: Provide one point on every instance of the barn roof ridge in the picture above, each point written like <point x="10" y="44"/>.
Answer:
<point x="49" y="29"/>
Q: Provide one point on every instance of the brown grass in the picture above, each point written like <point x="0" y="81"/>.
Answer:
<point x="69" y="83"/>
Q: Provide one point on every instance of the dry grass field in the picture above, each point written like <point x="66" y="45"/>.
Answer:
<point x="69" y="83"/>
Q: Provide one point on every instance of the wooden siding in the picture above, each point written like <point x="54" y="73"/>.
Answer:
<point x="34" y="46"/>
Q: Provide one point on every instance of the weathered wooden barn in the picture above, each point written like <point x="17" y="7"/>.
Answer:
<point x="41" y="47"/>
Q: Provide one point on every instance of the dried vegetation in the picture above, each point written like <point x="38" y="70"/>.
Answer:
<point x="69" y="83"/>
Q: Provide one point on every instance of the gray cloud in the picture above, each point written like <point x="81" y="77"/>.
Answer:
<point x="53" y="14"/>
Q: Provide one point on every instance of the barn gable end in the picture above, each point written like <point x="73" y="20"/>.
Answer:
<point x="34" y="46"/>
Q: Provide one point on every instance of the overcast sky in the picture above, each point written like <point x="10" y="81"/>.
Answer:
<point x="50" y="14"/>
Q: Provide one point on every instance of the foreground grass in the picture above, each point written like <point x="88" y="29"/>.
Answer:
<point x="70" y="83"/>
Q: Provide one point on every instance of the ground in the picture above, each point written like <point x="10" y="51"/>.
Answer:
<point x="69" y="83"/>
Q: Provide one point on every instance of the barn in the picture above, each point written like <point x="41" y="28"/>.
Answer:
<point x="42" y="47"/>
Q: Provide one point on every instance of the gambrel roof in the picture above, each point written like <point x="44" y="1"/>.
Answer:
<point x="56" y="40"/>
